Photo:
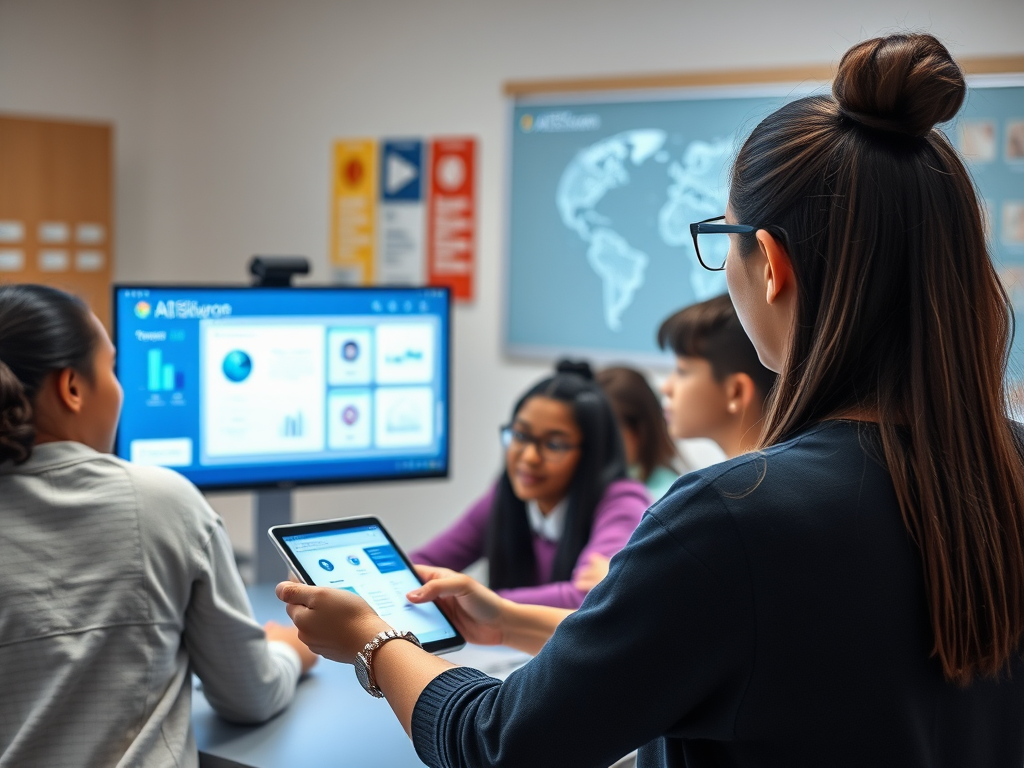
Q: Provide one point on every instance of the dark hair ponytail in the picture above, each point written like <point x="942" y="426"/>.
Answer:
<point x="511" y="561"/>
<point x="900" y="312"/>
<point x="42" y="330"/>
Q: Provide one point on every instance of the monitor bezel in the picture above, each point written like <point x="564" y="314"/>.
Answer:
<point x="348" y="480"/>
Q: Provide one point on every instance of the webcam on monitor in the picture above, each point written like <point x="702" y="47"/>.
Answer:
<point x="277" y="271"/>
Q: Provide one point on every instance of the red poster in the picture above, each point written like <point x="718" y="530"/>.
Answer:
<point x="451" y="216"/>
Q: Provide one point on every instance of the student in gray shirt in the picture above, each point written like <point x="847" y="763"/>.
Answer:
<point x="116" y="581"/>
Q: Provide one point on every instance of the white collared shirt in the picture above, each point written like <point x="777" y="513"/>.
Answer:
<point x="551" y="525"/>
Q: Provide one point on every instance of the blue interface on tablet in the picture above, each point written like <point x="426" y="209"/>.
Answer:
<point x="363" y="561"/>
<point x="238" y="387"/>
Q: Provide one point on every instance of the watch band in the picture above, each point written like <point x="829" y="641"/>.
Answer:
<point x="371" y="647"/>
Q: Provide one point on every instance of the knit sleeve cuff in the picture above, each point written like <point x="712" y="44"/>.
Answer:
<point x="431" y="718"/>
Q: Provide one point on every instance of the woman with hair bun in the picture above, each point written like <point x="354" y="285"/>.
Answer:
<point x="117" y="582"/>
<point x="852" y="592"/>
<point x="562" y="496"/>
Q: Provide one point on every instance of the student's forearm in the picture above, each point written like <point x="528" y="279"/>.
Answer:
<point x="402" y="671"/>
<point x="528" y="627"/>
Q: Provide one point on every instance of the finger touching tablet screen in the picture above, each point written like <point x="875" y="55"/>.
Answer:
<point x="358" y="555"/>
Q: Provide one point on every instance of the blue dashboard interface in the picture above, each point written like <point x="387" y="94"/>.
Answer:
<point x="238" y="387"/>
<point x="362" y="560"/>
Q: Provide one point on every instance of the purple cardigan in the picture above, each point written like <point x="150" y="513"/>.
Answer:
<point x="616" y="517"/>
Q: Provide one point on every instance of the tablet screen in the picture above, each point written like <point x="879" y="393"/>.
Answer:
<point x="363" y="560"/>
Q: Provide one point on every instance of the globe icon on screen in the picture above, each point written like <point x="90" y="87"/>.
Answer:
<point x="237" y="366"/>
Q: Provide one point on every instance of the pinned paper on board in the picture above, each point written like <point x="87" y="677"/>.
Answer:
<point x="353" y="211"/>
<point x="11" y="231"/>
<point x="401" y="225"/>
<point x="403" y="212"/>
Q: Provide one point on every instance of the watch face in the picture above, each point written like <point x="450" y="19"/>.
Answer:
<point x="362" y="673"/>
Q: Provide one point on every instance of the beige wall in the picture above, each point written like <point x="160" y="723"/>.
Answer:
<point x="226" y="109"/>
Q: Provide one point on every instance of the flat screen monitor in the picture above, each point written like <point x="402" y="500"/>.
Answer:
<point x="241" y="387"/>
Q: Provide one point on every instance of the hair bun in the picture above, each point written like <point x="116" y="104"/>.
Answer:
<point x="16" y="431"/>
<point x="900" y="83"/>
<point x="577" y="367"/>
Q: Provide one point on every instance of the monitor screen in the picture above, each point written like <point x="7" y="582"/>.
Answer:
<point x="244" y="387"/>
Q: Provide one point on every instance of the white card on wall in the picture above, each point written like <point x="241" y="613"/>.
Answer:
<point x="12" y="260"/>
<point x="11" y="231"/>
<point x="89" y="261"/>
<point x="90" y="234"/>
<point x="54" y="261"/>
<point x="53" y="232"/>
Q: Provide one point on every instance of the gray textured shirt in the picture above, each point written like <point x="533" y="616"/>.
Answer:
<point x="116" y="582"/>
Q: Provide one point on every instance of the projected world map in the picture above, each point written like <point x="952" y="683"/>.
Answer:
<point x="603" y="190"/>
<point x="693" y="191"/>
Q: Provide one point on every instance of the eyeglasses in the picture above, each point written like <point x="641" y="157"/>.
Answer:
<point x="715" y="249"/>
<point x="550" y="449"/>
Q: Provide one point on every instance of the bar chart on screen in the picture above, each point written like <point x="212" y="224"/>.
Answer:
<point x="162" y="376"/>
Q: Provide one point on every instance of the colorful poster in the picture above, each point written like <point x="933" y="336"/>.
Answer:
<point x="400" y="251"/>
<point x="353" y="211"/>
<point x="451" y="216"/>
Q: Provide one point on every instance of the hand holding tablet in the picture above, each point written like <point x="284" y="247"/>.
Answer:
<point x="358" y="556"/>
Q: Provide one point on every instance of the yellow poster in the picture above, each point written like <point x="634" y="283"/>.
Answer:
<point x="353" y="211"/>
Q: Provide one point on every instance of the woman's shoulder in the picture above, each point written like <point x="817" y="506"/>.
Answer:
<point x="96" y="479"/>
<point x="818" y="461"/>
<point x="160" y="492"/>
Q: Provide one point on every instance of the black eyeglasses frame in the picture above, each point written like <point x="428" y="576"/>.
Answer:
<point x="708" y="227"/>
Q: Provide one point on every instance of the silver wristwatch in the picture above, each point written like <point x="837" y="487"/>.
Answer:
<point x="364" y="659"/>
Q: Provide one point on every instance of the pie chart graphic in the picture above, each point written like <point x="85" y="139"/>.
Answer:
<point x="237" y="366"/>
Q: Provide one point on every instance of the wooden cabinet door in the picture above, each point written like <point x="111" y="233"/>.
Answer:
<point x="56" y="207"/>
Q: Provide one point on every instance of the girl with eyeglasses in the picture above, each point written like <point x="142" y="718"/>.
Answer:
<point x="852" y="592"/>
<point x="563" y="495"/>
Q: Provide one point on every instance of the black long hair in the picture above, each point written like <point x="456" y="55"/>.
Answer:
<point x="602" y="461"/>
<point x="42" y="330"/>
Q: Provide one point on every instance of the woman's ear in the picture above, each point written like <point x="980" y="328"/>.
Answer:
<point x="68" y="383"/>
<point x="778" y="269"/>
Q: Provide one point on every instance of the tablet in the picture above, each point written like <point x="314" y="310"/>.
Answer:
<point x="358" y="555"/>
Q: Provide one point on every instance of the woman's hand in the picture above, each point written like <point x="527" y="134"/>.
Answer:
<point x="333" y="623"/>
<point x="592" y="573"/>
<point x="476" y="611"/>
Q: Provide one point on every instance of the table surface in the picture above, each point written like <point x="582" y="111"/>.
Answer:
<point x="331" y="717"/>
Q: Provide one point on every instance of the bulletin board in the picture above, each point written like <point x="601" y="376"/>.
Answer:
<point x="56" y="207"/>
<point x="607" y="174"/>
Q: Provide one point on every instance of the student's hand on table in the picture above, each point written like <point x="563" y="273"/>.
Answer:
<point x="475" y="610"/>
<point x="592" y="573"/>
<point x="290" y="635"/>
<point x="333" y="623"/>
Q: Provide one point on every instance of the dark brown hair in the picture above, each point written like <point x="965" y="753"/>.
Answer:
<point x="42" y="330"/>
<point x="712" y="331"/>
<point x="640" y="411"/>
<point x="900" y="313"/>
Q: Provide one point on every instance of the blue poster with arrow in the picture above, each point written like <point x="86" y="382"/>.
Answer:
<point x="401" y="223"/>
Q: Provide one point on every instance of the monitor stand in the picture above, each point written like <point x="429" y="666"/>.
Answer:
<point x="272" y="506"/>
